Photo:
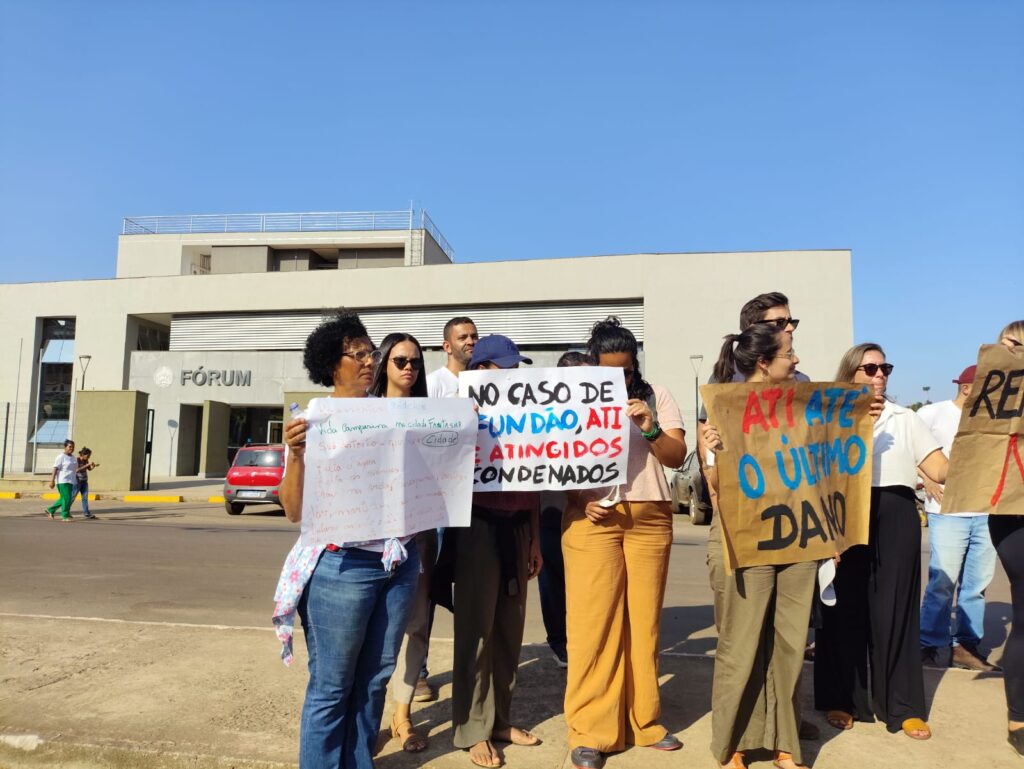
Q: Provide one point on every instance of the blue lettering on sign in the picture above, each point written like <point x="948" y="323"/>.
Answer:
<point x="747" y="462"/>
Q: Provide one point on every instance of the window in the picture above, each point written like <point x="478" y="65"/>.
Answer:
<point x="56" y="371"/>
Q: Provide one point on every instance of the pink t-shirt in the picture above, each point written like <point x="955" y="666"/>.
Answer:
<point x="645" y="476"/>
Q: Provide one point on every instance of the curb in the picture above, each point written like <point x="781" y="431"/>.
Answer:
<point x="52" y="497"/>
<point x="10" y="495"/>
<point x="152" y="498"/>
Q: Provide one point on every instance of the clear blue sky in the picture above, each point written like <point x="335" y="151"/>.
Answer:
<point x="895" y="129"/>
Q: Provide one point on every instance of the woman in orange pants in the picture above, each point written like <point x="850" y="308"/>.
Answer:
<point x="616" y="546"/>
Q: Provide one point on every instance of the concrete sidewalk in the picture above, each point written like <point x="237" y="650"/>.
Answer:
<point x="188" y="488"/>
<point x="102" y="693"/>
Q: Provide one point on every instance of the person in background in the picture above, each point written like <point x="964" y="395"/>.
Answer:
<point x="353" y="598"/>
<point x="551" y="581"/>
<point x="460" y="335"/>
<point x="875" y="623"/>
<point x="961" y="551"/>
<point x="85" y="464"/>
<point x="1007" y="533"/>
<point x="494" y="558"/>
<point x="63" y="477"/>
<point x="399" y="374"/>
<point x="616" y="544"/>
<point x="764" y="609"/>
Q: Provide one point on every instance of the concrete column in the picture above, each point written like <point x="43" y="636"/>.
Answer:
<point x="213" y="453"/>
<point x="113" y="424"/>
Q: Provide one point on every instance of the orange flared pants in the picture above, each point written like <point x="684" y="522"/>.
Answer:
<point x="615" y="575"/>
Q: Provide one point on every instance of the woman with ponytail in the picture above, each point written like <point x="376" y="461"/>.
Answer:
<point x="762" y="610"/>
<point x="616" y="546"/>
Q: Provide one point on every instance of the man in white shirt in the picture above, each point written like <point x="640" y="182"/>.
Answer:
<point x="961" y="549"/>
<point x="460" y="336"/>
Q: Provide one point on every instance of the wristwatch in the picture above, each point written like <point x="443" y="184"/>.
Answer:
<point x="653" y="434"/>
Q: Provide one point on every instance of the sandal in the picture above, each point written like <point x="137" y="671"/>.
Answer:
<point x="781" y="755"/>
<point x="912" y="725"/>
<point x="412" y="741"/>
<point x="839" y="719"/>
<point x="736" y="762"/>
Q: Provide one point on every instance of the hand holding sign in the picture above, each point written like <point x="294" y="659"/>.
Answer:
<point x="551" y="428"/>
<point x="385" y="467"/>
<point x="794" y="469"/>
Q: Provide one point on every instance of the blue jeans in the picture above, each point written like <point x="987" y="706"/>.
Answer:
<point x="354" y="615"/>
<point x="961" y="552"/>
<point x="83" y="489"/>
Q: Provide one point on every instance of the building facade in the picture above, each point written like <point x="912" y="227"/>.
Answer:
<point x="208" y="315"/>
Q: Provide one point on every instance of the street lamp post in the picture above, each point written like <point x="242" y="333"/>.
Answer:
<point x="695" y="361"/>
<point x="83" y="361"/>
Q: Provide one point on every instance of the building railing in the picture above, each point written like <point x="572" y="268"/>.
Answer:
<point x="317" y="221"/>
<point x="428" y="224"/>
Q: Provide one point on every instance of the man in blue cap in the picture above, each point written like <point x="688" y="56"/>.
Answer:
<point x="495" y="557"/>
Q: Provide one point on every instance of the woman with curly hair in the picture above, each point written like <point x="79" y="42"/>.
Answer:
<point x="616" y="546"/>
<point x="353" y="597"/>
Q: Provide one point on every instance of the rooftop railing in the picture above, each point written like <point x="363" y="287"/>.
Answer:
<point x="317" y="221"/>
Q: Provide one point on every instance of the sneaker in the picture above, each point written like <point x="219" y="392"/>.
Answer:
<point x="587" y="758"/>
<point x="47" y="511"/>
<point x="560" y="657"/>
<point x="90" y="516"/>
<point x="969" y="659"/>
<point x="423" y="692"/>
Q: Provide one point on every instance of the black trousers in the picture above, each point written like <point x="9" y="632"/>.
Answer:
<point x="1008" y="537"/>
<point x="872" y="634"/>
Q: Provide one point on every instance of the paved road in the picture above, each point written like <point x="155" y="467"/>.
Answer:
<point x="135" y="677"/>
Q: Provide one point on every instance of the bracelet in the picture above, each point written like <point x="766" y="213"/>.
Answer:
<point x="653" y="434"/>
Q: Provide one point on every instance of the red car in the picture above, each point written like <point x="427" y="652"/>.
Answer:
<point x="254" y="477"/>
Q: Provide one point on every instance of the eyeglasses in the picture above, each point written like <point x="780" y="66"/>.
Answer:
<point x="361" y="356"/>
<point x="872" y="368"/>
<point x="791" y="354"/>
<point x="401" y="362"/>
<point x="781" y="323"/>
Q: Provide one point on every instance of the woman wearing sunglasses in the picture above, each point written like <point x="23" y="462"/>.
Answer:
<point x="873" y="631"/>
<point x="353" y="597"/>
<point x="764" y="609"/>
<point x="399" y="374"/>
<point x="1008" y="537"/>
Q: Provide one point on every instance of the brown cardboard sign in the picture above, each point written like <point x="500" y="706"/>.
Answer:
<point x="986" y="465"/>
<point x="795" y="469"/>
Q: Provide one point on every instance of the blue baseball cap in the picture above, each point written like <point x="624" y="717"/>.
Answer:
<point x="496" y="349"/>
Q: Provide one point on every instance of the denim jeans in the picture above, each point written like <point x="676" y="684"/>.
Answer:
<point x="961" y="552"/>
<point x="353" y="615"/>
<point x="83" y="489"/>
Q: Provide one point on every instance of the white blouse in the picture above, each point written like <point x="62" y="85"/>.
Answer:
<point x="902" y="441"/>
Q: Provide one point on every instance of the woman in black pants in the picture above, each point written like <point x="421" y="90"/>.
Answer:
<point x="877" y="617"/>
<point x="1008" y="537"/>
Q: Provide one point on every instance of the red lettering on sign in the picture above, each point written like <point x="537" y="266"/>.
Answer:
<point x="752" y="414"/>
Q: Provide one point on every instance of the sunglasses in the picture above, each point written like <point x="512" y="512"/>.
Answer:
<point x="361" y="356"/>
<point x="781" y="323"/>
<point x="401" y="362"/>
<point x="872" y="368"/>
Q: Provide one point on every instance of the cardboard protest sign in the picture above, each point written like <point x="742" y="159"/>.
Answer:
<point x="549" y="428"/>
<point x="386" y="467"/>
<point x="986" y="464"/>
<point x="795" y="470"/>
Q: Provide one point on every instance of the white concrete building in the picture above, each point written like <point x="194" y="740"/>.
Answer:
<point x="215" y="310"/>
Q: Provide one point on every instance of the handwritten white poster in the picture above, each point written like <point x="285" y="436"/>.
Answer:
<point x="386" y="467"/>
<point x="549" y="428"/>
